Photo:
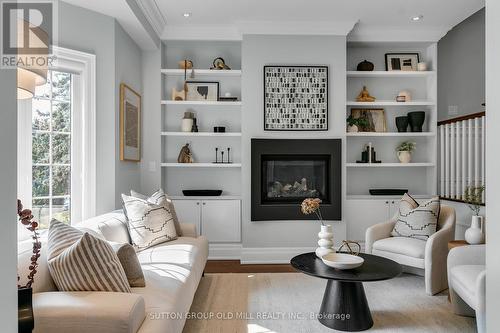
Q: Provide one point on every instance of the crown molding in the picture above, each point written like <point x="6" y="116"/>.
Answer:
<point x="338" y="28"/>
<point x="201" y="32"/>
<point x="363" y="33"/>
<point x="153" y="14"/>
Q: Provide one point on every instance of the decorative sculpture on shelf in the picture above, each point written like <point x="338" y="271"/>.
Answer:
<point x="185" y="155"/>
<point x="219" y="64"/>
<point x="178" y="95"/>
<point x="364" y="96"/>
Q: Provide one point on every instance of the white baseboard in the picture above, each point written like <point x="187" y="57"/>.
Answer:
<point x="271" y="255"/>
<point x="223" y="251"/>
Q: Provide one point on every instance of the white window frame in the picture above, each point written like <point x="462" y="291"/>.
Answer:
<point x="83" y="133"/>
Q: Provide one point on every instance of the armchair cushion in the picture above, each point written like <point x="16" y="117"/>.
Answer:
<point x="411" y="247"/>
<point x="464" y="278"/>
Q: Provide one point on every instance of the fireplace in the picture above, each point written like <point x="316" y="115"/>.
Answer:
<point x="285" y="172"/>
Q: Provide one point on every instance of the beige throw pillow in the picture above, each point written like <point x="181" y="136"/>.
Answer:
<point x="149" y="224"/>
<point x="82" y="262"/>
<point x="130" y="263"/>
<point x="416" y="221"/>
<point x="161" y="199"/>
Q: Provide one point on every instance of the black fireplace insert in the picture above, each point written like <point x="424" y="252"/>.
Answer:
<point x="285" y="172"/>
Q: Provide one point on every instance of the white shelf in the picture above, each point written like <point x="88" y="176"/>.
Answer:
<point x="209" y="103"/>
<point x="385" y="197"/>
<point x="219" y="197"/>
<point x="388" y="165"/>
<point x="204" y="134"/>
<point x="391" y="103"/>
<point x="201" y="165"/>
<point x="389" y="134"/>
<point x="398" y="74"/>
<point x="201" y="72"/>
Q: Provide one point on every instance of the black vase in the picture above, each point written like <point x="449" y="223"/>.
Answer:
<point x="402" y="123"/>
<point x="416" y="120"/>
<point x="26" y="322"/>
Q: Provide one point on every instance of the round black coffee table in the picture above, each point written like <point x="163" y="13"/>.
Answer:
<point x="344" y="305"/>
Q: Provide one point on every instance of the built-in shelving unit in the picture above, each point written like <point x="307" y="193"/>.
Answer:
<point x="391" y="103"/>
<point x="194" y="134"/>
<point x="389" y="134"/>
<point x="393" y="74"/>
<point x="389" y="165"/>
<point x="201" y="103"/>
<point x="201" y="165"/>
<point x="201" y="72"/>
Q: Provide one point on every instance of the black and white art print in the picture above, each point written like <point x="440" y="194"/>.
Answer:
<point x="295" y="98"/>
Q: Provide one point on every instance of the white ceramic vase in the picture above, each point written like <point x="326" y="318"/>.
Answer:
<point x="474" y="235"/>
<point x="187" y="124"/>
<point x="352" y="129"/>
<point x="325" y="241"/>
<point x="404" y="156"/>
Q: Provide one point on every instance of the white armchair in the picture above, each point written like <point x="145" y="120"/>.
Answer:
<point x="417" y="255"/>
<point x="467" y="281"/>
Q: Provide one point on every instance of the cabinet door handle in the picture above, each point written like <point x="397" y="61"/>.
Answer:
<point x="387" y="202"/>
<point x="197" y="203"/>
<point x="393" y="202"/>
<point x="204" y="203"/>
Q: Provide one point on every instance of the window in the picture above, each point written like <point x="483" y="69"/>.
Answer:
<point x="56" y="142"/>
<point x="51" y="149"/>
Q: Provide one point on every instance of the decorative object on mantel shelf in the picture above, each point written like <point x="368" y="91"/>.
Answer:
<point x="473" y="196"/>
<point x="416" y="120"/>
<point x="401" y="61"/>
<point x="404" y="150"/>
<point x="368" y="155"/>
<point x="187" y="121"/>
<point x="403" y="96"/>
<point x="374" y="119"/>
<point x="356" y="124"/>
<point x="219" y="64"/>
<point x="365" y="66"/>
<point x="402" y="123"/>
<point x="364" y="96"/>
<point x="185" y="155"/>
<point x="325" y="242"/>
<point x="26" y="321"/>
<point x="296" y="98"/>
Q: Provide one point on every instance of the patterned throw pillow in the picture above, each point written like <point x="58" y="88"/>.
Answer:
<point x="416" y="221"/>
<point x="149" y="224"/>
<point x="82" y="262"/>
<point x="161" y="199"/>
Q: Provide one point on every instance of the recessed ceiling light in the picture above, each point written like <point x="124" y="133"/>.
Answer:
<point x="186" y="14"/>
<point x="417" y="18"/>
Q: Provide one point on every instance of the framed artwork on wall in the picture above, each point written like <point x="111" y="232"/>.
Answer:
<point x="202" y="91"/>
<point x="295" y="98"/>
<point x="130" y="124"/>
<point x="401" y="61"/>
<point x="375" y="119"/>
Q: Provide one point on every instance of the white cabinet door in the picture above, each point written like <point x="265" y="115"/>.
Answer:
<point x="221" y="220"/>
<point x="393" y="207"/>
<point x="189" y="211"/>
<point x="361" y="214"/>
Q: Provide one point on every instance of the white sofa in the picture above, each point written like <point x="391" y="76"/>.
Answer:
<point x="414" y="254"/>
<point x="172" y="271"/>
<point x="467" y="281"/>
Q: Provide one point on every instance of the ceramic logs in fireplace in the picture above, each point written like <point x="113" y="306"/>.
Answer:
<point x="286" y="171"/>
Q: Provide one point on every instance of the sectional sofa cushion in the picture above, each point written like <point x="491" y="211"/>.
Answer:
<point x="82" y="262"/>
<point x="416" y="220"/>
<point x="161" y="199"/>
<point x="149" y="224"/>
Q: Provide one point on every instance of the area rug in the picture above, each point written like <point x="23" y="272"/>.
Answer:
<point x="288" y="302"/>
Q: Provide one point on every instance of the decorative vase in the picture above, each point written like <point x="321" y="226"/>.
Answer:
<point x="402" y="123"/>
<point x="365" y="66"/>
<point x="404" y="156"/>
<point x="474" y="235"/>
<point x="26" y="321"/>
<point x="422" y="66"/>
<point x="325" y="241"/>
<point x="352" y="129"/>
<point x="416" y="120"/>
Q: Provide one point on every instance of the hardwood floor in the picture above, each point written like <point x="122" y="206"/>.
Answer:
<point x="234" y="266"/>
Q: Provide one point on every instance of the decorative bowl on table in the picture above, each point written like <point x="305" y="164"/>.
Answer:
<point x="342" y="260"/>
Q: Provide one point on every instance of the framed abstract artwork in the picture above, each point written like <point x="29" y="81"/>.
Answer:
<point x="202" y="91"/>
<point x="295" y="98"/>
<point x="130" y="124"/>
<point x="375" y="119"/>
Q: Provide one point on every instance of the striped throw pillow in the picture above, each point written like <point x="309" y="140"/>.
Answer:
<point x="82" y="262"/>
<point x="417" y="220"/>
<point x="149" y="224"/>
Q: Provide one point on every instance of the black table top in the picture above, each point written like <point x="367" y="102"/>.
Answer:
<point x="375" y="268"/>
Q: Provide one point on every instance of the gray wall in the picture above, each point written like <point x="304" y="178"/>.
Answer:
<point x="461" y="68"/>
<point x="8" y="194"/>
<point x="258" y="51"/>
<point x="118" y="59"/>
<point x="128" y="70"/>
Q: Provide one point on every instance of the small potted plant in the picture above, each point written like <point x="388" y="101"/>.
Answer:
<point x="473" y="196"/>
<point x="25" y="292"/>
<point x="404" y="150"/>
<point x="356" y="124"/>
<point x="325" y="242"/>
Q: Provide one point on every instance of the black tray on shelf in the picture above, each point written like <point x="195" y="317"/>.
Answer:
<point x="388" y="191"/>
<point x="202" y="193"/>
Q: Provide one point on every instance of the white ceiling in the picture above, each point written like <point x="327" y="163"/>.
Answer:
<point x="228" y="19"/>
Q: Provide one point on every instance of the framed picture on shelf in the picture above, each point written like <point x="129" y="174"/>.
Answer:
<point x="202" y="91"/>
<point x="295" y="98"/>
<point x="130" y="124"/>
<point x="401" y="61"/>
<point x="375" y="119"/>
